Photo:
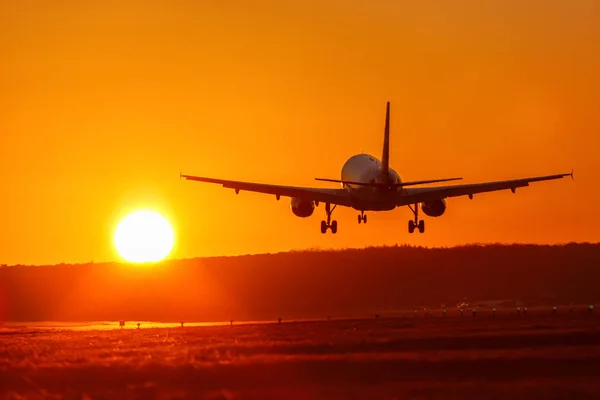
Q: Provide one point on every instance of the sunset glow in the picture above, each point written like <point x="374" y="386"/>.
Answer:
<point x="144" y="236"/>
<point x="112" y="100"/>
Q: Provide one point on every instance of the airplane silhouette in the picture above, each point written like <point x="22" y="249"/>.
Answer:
<point x="369" y="184"/>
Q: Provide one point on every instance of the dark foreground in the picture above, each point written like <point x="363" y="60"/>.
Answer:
<point x="389" y="358"/>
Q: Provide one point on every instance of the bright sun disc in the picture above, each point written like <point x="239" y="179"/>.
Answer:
<point x="144" y="236"/>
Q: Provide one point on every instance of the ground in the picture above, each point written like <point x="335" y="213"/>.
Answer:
<point x="534" y="356"/>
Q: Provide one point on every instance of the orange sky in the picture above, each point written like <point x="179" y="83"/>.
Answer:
<point x="102" y="104"/>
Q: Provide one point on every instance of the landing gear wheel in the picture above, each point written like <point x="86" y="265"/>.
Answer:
<point x="416" y="223"/>
<point x="334" y="227"/>
<point x="329" y="223"/>
<point x="362" y="217"/>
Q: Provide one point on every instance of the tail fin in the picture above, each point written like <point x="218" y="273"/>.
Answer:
<point x="385" y="157"/>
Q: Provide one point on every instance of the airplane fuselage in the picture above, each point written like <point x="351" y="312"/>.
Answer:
<point x="365" y="168"/>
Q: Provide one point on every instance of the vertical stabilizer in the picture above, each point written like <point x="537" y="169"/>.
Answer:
<point x="385" y="157"/>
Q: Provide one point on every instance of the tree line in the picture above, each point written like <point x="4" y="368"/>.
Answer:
<point x="301" y="284"/>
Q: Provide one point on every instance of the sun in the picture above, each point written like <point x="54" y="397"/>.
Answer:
<point x="144" y="236"/>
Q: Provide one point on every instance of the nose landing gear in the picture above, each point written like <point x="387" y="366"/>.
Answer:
<point x="362" y="217"/>
<point x="329" y="223"/>
<point x="420" y="225"/>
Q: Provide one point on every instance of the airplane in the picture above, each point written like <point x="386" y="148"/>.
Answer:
<point x="369" y="184"/>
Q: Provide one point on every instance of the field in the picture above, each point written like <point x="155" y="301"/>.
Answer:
<point x="534" y="356"/>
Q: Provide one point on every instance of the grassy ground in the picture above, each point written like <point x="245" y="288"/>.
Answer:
<point x="512" y="357"/>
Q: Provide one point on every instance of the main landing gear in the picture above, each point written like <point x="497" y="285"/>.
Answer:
<point x="362" y="217"/>
<point x="416" y="223"/>
<point x="329" y="223"/>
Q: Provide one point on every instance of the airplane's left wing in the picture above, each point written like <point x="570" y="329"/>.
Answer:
<point x="339" y="197"/>
<point x="412" y="196"/>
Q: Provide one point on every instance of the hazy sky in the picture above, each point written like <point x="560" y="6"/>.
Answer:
<point x="103" y="103"/>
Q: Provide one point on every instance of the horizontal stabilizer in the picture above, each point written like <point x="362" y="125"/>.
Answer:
<point x="374" y="184"/>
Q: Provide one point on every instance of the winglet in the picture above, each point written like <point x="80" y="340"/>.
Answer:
<point x="572" y="174"/>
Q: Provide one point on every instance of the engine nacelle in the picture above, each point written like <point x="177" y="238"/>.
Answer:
<point x="434" y="208"/>
<point x="302" y="208"/>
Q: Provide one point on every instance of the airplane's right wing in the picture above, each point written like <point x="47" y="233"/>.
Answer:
<point x="412" y="196"/>
<point x="339" y="197"/>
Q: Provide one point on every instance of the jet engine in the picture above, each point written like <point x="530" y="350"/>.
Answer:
<point x="434" y="208"/>
<point x="302" y="208"/>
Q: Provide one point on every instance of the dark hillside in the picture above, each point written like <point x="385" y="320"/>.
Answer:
<point x="300" y="284"/>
